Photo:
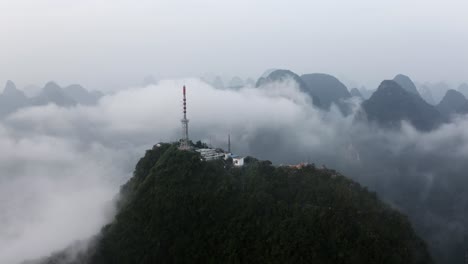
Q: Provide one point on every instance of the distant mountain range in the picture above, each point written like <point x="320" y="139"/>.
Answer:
<point x="13" y="99"/>
<point x="394" y="101"/>
<point x="324" y="89"/>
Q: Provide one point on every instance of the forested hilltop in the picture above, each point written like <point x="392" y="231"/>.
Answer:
<point x="179" y="209"/>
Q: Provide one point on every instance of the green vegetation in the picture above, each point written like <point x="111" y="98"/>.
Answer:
<point x="179" y="209"/>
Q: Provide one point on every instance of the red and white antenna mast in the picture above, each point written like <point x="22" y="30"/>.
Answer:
<point x="184" y="144"/>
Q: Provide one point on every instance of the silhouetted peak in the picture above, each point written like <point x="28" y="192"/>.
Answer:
<point x="454" y="95"/>
<point x="12" y="94"/>
<point x="355" y="92"/>
<point x="327" y="88"/>
<point x="279" y="75"/>
<point x="10" y="88"/>
<point x="284" y="75"/>
<point x="267" y="73"/>
<point x="321" y="76"/>
<point x="452" y="102"/>
<point x="406" y="83"/>
<point x="391" y="104"/>
<point x="52" y="93"/>
<point x="389" y="87"/>
<point x="52" y="87"/>
<point x="11" y="99"/>
<point x="81" y="95"/>
<point x="76" y="88"/>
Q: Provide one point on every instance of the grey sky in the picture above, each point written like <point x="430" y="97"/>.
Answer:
<point x="113" y="44"/>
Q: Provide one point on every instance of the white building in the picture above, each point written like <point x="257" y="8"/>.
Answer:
<point x="238" y="161"/>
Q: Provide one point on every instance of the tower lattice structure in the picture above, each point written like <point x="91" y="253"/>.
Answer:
<point x="184" y="143"/>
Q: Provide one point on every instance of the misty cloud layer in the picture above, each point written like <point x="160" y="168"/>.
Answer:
<point x="60" y="168"/>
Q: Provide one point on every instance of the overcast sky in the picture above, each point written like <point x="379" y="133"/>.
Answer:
<point x="112" y="44"/>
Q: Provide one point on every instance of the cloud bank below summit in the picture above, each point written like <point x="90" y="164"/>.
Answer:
<point x="62" y="167"/>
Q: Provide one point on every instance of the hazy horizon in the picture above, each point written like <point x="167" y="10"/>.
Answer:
<point x="112" y="45"/>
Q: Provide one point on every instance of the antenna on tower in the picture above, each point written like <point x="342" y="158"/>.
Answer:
<point x="184" y="144"/>
<point x="229" y="143"/>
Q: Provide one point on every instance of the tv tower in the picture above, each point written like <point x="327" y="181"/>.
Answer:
<point x="184" y="144"/>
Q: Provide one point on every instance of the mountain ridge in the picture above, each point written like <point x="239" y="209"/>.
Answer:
<point x="13" y="99"/>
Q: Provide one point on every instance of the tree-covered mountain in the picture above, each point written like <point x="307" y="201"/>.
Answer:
<point x="406" y="83"/>
<point x="391" y="104"/>
<point x="284" y="75"/>
<point x="328" y="89"/>
<point x="453" y="102"/>
<point x="180" y="209"/>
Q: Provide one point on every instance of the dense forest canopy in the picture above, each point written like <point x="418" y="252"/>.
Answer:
<point x="180" y="209"/>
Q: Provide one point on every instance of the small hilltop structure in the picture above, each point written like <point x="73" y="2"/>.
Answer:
<point x="207" y="153"/>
